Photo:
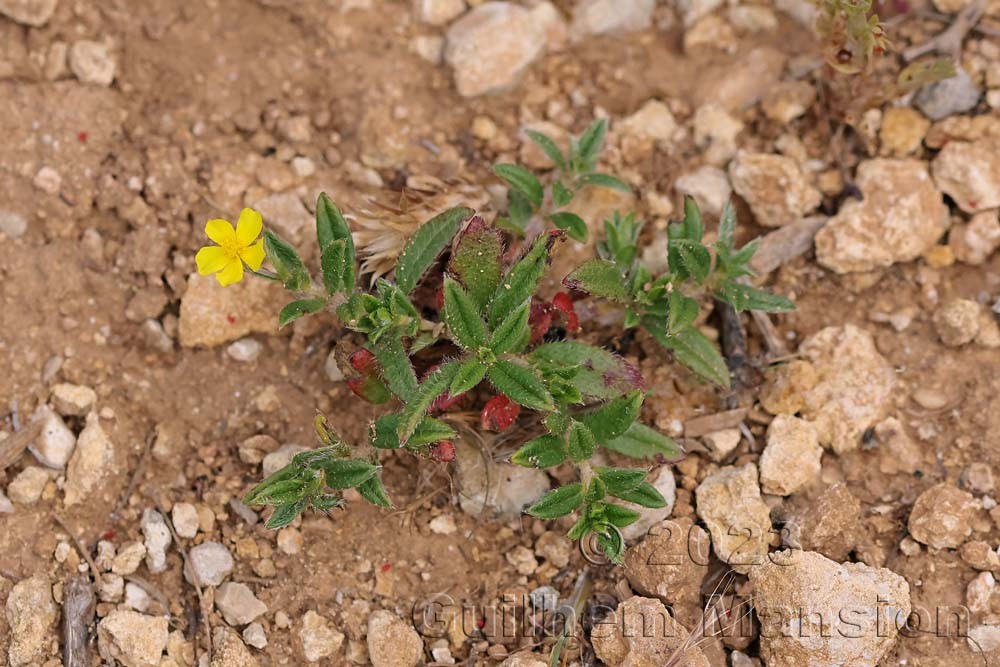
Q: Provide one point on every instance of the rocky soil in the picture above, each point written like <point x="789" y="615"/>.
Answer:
<point x="847" y="484"/>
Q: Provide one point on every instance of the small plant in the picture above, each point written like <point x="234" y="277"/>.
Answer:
<point x="526" y="197"/>
<point x="470" y="331"/>
<point x="667" y="306"/>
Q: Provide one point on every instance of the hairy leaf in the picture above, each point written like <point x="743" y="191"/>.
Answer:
<point x="542" y="452"/>
<point x="462" y="316"/>
<point x="469" y="375"/>
<point x="581" y="442"/>
<point x="416" y="408"/>
<point x="522" y="384"/>
<point x="692" y="349"/>
<point x="477" y="261"/>
<point x="727" y="225"/>
<point x="397" y="371"/>
<point x="683" y="311"/>
<point x="513" y="332"/>
<point x="645" y="495"/>
<point x="426" y="244"/>
<point x="296" y="309"/>
<point x="599" y="373"/>
<point x="333" y="261"/>
<point x="614" y="419"/>
<point x="384" y="432"/>
<point x="600" y="277"/>
<point x="561" y="195"/>
<point x="289" y="266"/>
<point x="374" y="492"/>
<point x="590" y="144"/>
<point x="558" y="502"/>
<point x="521" y="180"/>
<point x="549" y="147"/>
<point x="620" y="516"/>
<point x="618" y="480"/>
<point x="522" y="279"/>
<point x="285" y="514"/>
<point x="331" y="226"/>
<point x="347" y="473"/>
<point x="689" y="259"/>
<point x="572" y="223"/>
<point x="744" y="297"/>
<point x="643" y="442"/>
<point x="605" y="181"/>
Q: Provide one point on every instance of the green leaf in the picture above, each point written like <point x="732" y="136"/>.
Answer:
<point x="469" y="375"/>
<point x="614" y="419"/>
<point x="643" y="442"/>
<point x="692" y="225"/>
<point x="519" y="210"/>
<point x="397" y="371"/>
<point x="278" y="491"/>
<point x="477" y="261"/>
<point x="548" y="147"/>
<point x="462" y="316"/>
<point x="331" y="226"/>
<point x="561" y="195"/>
<point x="513" y="333"/>
<point x="610" y="539"/>
<point x="620" y="516"/>
<point x="416" y="408"/>
<point x="522" y="279"/>
<point x="521" y="180"/>
<point x="542" y="452"/>
<point x="374" y="492"/>
<point x="619" y="480"/>
<point x="335" y="267"/>
<point x="605" y="181"/>
<point x="296" y="309"/>
<point x="599" y="373"/>
<point x="285" y="514"/>
<point x="384" y="432"/>
<point x="727" y="225"/>
<point x="426" y="244"/>
<point x="590" y="144"/>
<point x="692" y="349"/>
<point x="558" y="502"/>
<point x="744" y="297"/>
<point x="572" y="223"/>
<point x="581" y="442"/>
<point x="645" y="495"/>
<point x="347" y="473"/>
<point x="683" y="311"/>
<point x="522" y="384"/>
<point x="289" y="266"/>
<point x="689" y="259"/>
<point x="599" y="277"/>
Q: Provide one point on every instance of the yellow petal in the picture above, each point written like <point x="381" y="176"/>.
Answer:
<point x="248" y="227"/>
<point x="220" y="231"/>
<point x="253" y="255"/>
<point x="210" y="259"/>
<point x="231" y="273"/>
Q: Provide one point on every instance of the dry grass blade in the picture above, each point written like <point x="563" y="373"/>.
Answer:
<point x="78" y="609"/>
<point x="11" y="448"/>
<point x="699" y="426"/>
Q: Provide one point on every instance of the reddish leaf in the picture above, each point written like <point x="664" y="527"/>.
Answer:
<point x="564" y="304"/>
<point x="364" y="362"/>
<point x="540" y="320"/>
<point x="499" y="413"/>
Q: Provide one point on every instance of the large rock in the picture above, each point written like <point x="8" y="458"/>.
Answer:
<point x="31" y="615"/>
<point x="92" y="461"/>
<point x="492" y="45"/>
<point x="598" y="17"/>
<point x="901" y="216"/>
<point x="212" y="315"/>
<point x="33" y="13"/>
<point x="737" y="85"/>
<point x="853" y="385"/>
<point x="393" y="642"/>
<point x="131" y="638"/>
<point x="652" y="121"/>
<point x="319" y="639"/>
<point x="55" y="442"/>
<point x="238" y="604"/>
<point x="729" y="503"/>
<point x="229" y="651"/>
<point x="709" y="186"/>
<point x="817" y="613"/>
<point x="774" y="187"/>
<point x="830" y="523"/>
<point x="973" y="243"/>
<point x="670" y="564"/>
<point x="642" y="633"/>
<point x="284" y="212"/>
<point x="501" y="488"/>
<point x="954" y="95"/>
<point x="791" y="459"/>
<point x="969" y="173"/>
<point x="208" y="564"/>
<point x="942" y="516"/>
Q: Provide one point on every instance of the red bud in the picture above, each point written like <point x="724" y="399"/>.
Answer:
<point x="499" y="413"/>
<point x="443" y="452"/>
<point x="564" y="304"/>
<point x="364" y="362"/>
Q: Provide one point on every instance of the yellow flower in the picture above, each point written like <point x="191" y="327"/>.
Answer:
<point x="236" y="247"/>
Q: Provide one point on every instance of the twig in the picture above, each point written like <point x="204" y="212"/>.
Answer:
<point x="786" y="243"/>
<point x="136" y="474"/>
<point x="949" y="41"/>
<point x="734" y="348"/>
<point x="699" y="426"/>
<point x="78" y="615"/>
<point x="80" y="546"/>
<point x="775" y="344"/>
